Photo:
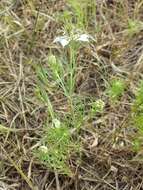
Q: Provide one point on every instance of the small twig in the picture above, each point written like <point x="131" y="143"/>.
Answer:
<point x="57" y="181"/>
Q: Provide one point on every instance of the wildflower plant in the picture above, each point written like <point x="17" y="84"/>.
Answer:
<point x="57" y="143"/>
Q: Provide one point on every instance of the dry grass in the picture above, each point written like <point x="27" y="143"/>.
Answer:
<point x="107" y="161"/>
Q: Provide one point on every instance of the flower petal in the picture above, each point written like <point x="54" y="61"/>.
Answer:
<point x="63" y="40"/>
<point x="85" y="38"/>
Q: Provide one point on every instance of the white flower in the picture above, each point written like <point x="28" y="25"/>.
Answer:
<point x="84" y="38"/>
<point x="63" y="40"/>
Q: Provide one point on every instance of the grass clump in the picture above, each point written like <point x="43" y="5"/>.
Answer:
<point x="137" y="115"/>
<point x="79" y="15"/>
<point x="134" y="27"/>
<point x="138" y="103"/>
<point x="116" y="89"/>
<point x="82" y="10"/>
